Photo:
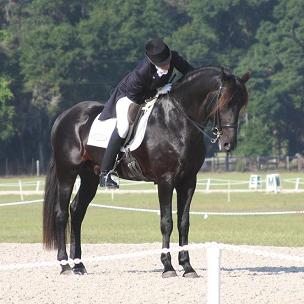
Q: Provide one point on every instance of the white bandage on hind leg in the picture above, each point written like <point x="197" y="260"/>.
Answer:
<point x="122" y="107"/>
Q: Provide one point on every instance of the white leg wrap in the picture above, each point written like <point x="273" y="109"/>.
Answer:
<point x="77" y="261"/>
<point x="165" y="250"/>
<point x="122" y="107"/>
<point x="63" y="262"/>
<point x="184" y="248"/>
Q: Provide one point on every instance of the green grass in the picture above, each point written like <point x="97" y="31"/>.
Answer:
<point x="24" y="223"/>
<point x="254" y="201"/>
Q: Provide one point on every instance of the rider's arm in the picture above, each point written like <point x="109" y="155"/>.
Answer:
<point x="138" y="82"/>
<point x="181" y="64"/>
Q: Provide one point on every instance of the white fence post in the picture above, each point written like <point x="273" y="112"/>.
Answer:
<point x="37" y="186"/>
<point x="297" y="184"/>
<point x="20" y="189"/>
<point x="213" y="262"/>
<point x="37" y="168"/>
<point x="208" y="184"/>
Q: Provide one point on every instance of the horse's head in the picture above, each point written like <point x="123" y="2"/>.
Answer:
<point x="231" y="97"/>
<point x="212" y="94"/>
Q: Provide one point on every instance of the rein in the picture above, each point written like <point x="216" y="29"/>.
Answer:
<point x="217" y="128"/>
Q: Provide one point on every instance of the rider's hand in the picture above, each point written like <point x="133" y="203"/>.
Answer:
<point x="165" y="89"/>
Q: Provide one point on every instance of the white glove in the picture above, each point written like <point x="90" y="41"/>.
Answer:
<point x="165" y="89"/>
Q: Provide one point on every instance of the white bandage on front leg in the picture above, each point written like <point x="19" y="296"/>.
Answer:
<point x="122" y="107"/>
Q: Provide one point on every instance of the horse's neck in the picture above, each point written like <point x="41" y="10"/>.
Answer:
<point x="196" y="97"/>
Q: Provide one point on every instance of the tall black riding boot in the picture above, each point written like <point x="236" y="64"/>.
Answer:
<point x="108" y="160"/>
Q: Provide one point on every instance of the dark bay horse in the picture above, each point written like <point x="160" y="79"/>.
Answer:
<point x="170" y="155"/>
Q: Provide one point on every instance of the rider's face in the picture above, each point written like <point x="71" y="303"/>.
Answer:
<point x="165" y="67"/>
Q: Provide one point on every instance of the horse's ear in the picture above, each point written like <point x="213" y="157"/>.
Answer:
<point x="245" y="77"/>
<point x="224" y="75"/>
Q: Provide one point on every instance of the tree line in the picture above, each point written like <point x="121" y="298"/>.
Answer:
<point x="54" y="54"/>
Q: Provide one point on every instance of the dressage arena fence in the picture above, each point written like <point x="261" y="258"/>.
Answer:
<point x="208" y="185"/>
<point x="213" y="261"/>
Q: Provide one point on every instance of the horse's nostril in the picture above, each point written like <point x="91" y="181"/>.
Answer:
<point x="227" y="146"/>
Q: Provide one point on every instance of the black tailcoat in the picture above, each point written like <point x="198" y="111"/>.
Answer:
<point x="142" y="83"/>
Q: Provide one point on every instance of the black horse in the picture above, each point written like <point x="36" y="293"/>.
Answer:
<point x="170" y="155"/>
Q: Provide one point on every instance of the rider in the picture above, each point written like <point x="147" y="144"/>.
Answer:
<point x="152" y="73"/>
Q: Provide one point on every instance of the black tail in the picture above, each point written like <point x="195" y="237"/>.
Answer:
<point x="50" y="201"/>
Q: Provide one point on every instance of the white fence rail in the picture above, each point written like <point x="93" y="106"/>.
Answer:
<point x="207" y="185"/>
<point x="204" y="214"/>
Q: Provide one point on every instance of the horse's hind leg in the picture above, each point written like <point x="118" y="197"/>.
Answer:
<point x="165" y="192"/>
<point x="65" y="186"/>
<point x="185" y="192"/>
<point x="78" y="208"/>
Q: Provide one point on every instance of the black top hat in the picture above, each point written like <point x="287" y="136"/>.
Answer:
<point x="158" y="52"/>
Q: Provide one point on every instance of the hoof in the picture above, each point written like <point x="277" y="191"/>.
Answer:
<point x="79" y="269"/>
<point x="169" y="274"/>
<point x="191" y="275"/>
<point x="66" y="270"/>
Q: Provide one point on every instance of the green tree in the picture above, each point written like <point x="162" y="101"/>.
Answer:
<point x="276" y="59"/>
<point x="6" y="96"/>
<point x="220" y="32"/>
<point x="6" y="111"/>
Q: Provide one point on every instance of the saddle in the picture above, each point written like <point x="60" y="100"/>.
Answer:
<point x="133" y="112"/>
<point x="101" y="131"/>
<point x="134" y="115"/>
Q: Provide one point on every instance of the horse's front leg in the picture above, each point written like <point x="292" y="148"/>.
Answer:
<point x="185" y="192"/>
<point x="78" y="208"/>
<point x="165" y="192"/>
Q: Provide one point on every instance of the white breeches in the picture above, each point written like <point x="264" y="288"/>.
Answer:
<point x="122" y="107"/>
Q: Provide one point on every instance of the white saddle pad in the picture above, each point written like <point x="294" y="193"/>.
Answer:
<point x="101" y="131"/>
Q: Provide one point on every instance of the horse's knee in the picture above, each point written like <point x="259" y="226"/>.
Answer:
<point x="183" y="225"/>
<point x="166" y="225"/>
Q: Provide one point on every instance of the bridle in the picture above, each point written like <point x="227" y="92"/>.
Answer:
<point x="217" y="129"/>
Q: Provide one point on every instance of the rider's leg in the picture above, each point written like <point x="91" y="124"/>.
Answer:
<point x="115" y="143"/>
<point x="108" y="160"/>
